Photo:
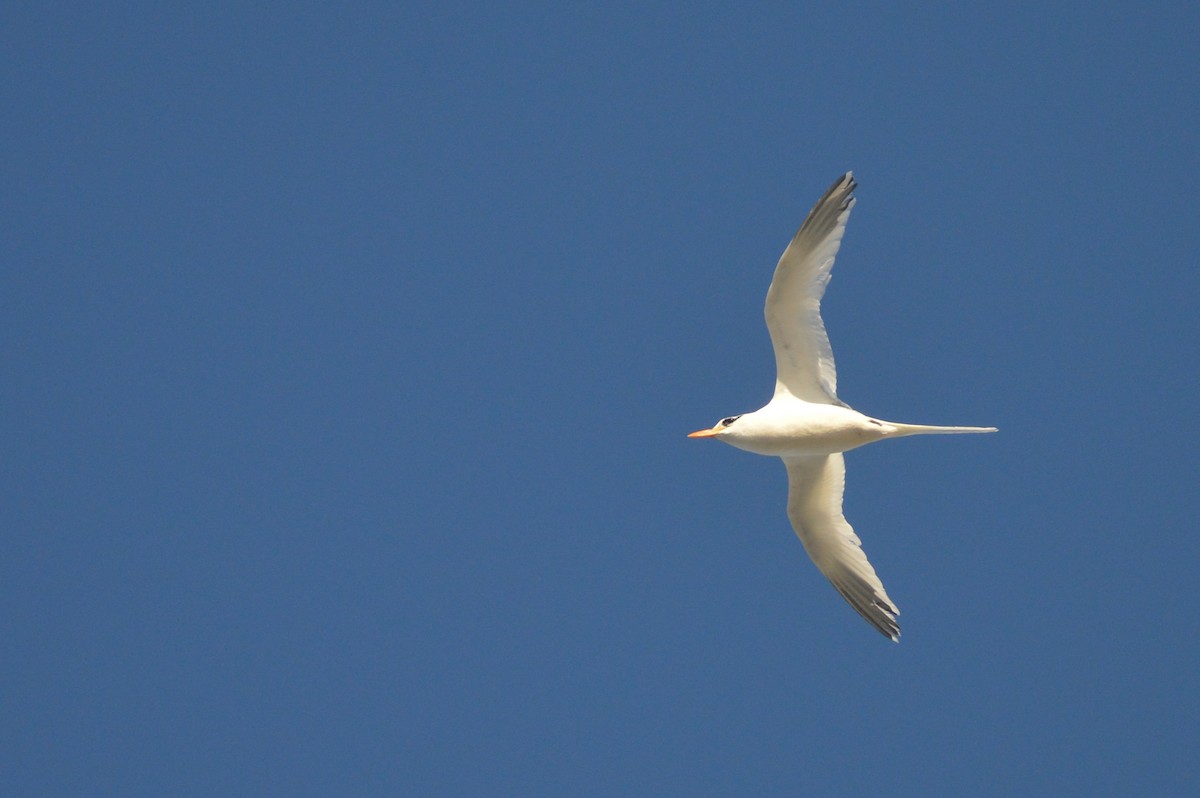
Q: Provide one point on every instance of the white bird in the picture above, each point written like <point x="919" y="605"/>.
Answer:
<point x="805" y="423"/>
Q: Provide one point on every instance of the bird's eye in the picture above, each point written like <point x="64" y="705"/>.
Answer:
<point x="725" y="422"/>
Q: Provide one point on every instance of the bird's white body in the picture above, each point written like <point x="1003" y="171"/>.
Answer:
<point x="790" y="427"/>
<point x="805" y="424"/>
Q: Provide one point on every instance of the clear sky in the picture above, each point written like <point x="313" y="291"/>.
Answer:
<point x="349" y="353"/>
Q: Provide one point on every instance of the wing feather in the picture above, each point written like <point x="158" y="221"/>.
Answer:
<point x="803" y="357"/>
<point x="815" y="488"/>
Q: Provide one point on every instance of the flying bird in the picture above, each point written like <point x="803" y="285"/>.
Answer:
<point x="805" y="424"/>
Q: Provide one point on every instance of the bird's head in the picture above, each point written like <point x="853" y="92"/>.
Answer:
<point x="719" y="428"/>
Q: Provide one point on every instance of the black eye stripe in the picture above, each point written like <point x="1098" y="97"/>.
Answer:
<point x="725" y="422"/>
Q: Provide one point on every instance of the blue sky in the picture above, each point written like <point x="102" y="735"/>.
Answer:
<point x="349" y="354"/>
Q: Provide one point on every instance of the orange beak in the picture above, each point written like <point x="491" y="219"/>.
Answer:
<point x="704" y="433"/>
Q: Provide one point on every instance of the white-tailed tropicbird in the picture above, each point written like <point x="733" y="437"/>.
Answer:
<point x="805" y="423"/>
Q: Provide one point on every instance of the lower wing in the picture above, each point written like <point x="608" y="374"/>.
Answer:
<point x="815" y="486"/>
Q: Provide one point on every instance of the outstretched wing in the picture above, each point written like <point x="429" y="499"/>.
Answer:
<point x="803" y="358"/>
<point x="815" y="485"/>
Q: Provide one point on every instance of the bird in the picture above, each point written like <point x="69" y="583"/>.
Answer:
<point x="806" y="425"/>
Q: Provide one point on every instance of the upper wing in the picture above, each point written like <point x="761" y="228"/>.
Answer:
<point x="803" y="358"/>
<point x="815" y="485"/>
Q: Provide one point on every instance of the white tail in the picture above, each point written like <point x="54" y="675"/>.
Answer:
<point x="924" y="429"/>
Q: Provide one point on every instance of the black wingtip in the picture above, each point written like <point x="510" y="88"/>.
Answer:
<point x="844" y="186"/>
